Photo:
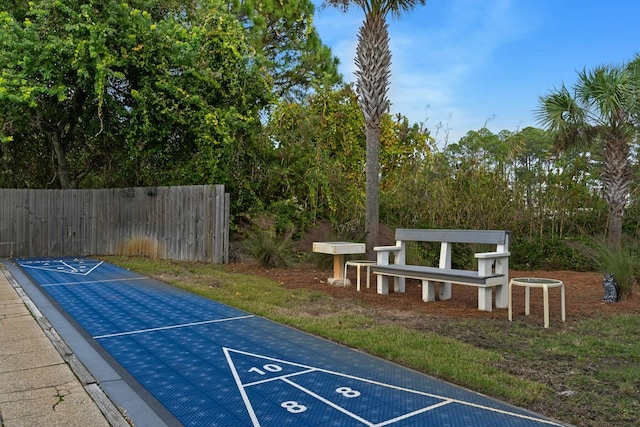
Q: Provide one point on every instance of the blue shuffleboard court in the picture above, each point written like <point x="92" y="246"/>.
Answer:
<point x="208" y="364"/>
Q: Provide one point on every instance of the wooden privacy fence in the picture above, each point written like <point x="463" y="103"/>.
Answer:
<point x="188" y="223"/>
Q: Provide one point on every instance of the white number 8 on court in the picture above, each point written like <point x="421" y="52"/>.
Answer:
<point x="347" y="392"/>
<point x="293" y="407"/>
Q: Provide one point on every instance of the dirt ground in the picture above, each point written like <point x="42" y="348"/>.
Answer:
<point x="584" y="294"/>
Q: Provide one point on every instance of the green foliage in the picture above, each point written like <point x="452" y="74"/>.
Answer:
<point x="266" y="245"/>
<point x="130" y="97"/>
<point x="511" y="181"/>
<point x="507" y="181"/>
<point x="444" y="193"/>
<point x="292" y="51"/>
<point x="547" y="253"/>
<point x="318" y="157"/>
<point x="165" y="92"/>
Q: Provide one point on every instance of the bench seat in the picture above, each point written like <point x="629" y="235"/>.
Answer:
<point x="462" y="277"/>
<point x="431" y="275"/>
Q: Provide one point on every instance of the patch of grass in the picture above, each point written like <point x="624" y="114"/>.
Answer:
<point x="592" y="366"/>
<point x="585" y="372"/>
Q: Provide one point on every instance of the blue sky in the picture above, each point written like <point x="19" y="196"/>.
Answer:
<point x="460" y="64"/>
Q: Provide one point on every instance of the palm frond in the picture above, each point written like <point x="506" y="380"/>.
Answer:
<point x="563" y="116"/>
<point x="383" y="7"/>
<point x="605" y="89"/>
<point x="633" y="68"/>
<point x="399" y="7"/>
<point x="559" y="110"/>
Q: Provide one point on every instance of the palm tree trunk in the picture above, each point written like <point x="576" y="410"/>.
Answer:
<point x="372" y="211"/>
<point x="616" y="180"/>
<point x="373" y="60"/>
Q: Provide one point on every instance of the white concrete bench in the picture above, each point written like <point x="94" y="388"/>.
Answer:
<point x="492" y="272"/>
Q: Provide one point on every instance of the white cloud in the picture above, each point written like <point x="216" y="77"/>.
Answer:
<point x="437" y="51"/>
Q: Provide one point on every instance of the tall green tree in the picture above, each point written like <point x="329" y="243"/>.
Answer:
<point x="128" y="93"/>
<point x="373" y="62"/>
<point x="316" y="173"/>
<point x="318" y="159"/>
<point x="602" y="109"/>
<point x="285" y="40"/>
<point x="534" y="149"/>
<point x="291" y="49"/>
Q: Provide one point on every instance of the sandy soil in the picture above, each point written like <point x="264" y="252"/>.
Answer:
<point x="584" y="293"/>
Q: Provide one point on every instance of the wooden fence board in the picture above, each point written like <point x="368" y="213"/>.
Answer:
<point x="183" y="223"/>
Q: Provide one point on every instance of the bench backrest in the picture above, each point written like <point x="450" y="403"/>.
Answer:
<point x="495" y="237"/>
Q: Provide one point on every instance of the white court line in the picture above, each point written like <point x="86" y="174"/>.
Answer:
<point x="163" y="328"/>
<point x="94" y="267"/>
<point x="280" y="377"/>
<point x="414" y="413"/>
<point x="286" y="378"/>
<point x="75" y="270"/>
<point x="92" y="281"/>
<point x="243" y="392"/>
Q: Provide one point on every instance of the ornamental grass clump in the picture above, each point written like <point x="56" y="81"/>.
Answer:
<point x="621" y="262"/>
<point x="267" y="246"/>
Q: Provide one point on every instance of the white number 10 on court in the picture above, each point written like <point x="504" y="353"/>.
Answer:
<point x="291" y="405"/>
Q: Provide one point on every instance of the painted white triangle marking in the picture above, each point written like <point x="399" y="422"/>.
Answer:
<point x="60" y="266"/>
<point x="282" y="370"/>
<point x="286" y="371"/>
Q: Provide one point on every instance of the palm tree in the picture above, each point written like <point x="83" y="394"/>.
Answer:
<point x="373" y="63"/>
<point x="602" y="112"/>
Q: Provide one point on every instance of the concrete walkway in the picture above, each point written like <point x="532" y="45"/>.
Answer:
<point x="38" y="386"/>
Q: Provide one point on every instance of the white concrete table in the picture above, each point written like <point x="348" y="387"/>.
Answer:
<point x="339" y="250"/>
<point x="535" y="282"/>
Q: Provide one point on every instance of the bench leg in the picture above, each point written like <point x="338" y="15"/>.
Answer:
<point x="445" y="291"/>
<point x="502" y="297"/>
<point x="383" y="284"/>
<point x="428" y="291"/>
<point x="484" y="299"/>
<point x="398" y="285"/>
<point x="562" y="302"/>
<point x="510" y="301"/>
<point x="545" y="302"/>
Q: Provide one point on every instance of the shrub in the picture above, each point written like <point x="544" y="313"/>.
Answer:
<point x="268" y="247"/>
<point x="547" y="254"/>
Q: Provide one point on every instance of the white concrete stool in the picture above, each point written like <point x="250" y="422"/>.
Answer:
<point x="359" y="263"/>
<point x="545" y="284"/>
